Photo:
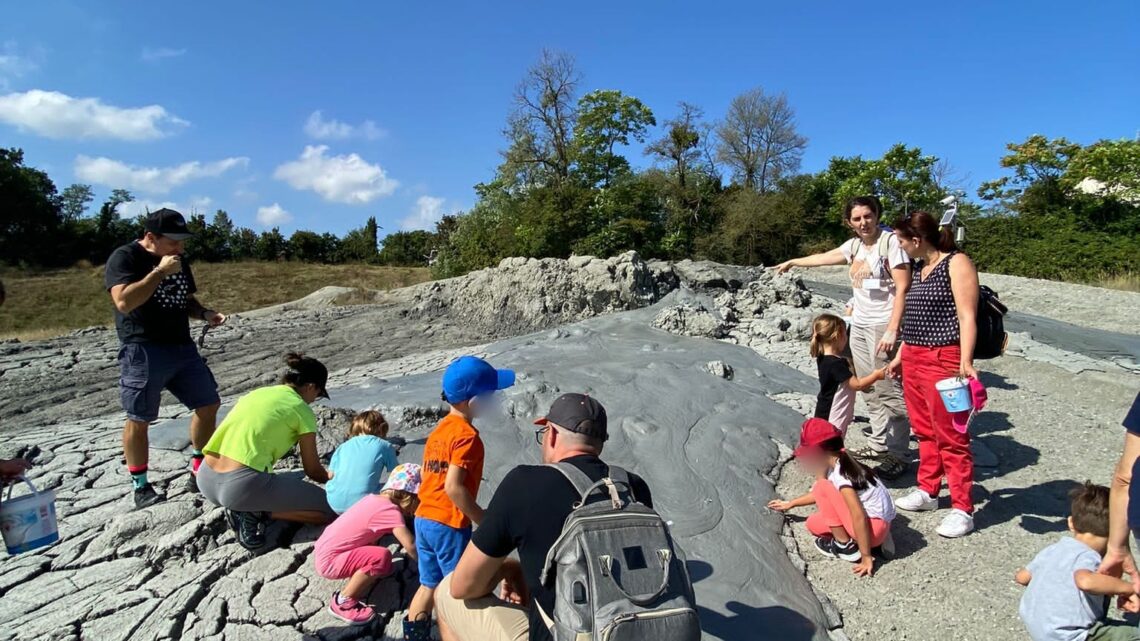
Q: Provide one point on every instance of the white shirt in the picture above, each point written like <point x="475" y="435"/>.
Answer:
<point x="871" y="280"/>
<point x="876" y="499"/>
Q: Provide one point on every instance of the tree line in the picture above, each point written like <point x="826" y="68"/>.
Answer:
<point x="40" y="227"/>
<point x="728" y="189"/>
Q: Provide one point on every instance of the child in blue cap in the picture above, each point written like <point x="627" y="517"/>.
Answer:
<point x="452" y="471"/>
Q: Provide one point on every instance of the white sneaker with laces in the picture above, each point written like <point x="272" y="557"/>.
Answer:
<point x="917" y="501"/>
<point x="957" y="523"/>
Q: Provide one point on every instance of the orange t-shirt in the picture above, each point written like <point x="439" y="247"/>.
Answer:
<point x="453" y="442"/>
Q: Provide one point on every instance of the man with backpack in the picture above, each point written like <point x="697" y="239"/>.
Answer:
<point x="642" y="579"/>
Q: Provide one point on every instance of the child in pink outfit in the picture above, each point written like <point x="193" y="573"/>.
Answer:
<point x="347" y="549"/>
<point x="854" y="508"/>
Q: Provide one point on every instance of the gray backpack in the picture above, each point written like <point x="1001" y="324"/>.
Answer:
<point x="616" y="571"/>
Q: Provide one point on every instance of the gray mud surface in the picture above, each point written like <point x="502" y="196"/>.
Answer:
<point x="704" y="421"/>
<point x="705" y="373"/>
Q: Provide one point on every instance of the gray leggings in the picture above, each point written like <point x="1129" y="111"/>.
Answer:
<point x="247" y="490"/>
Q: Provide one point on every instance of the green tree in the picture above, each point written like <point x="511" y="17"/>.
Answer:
<point x="1036" y="161"/>
<point x="211" y="242"/>
<point x="271" y="245"/>
<point x="1114" y="165"/>
<point x="74" y="200"/>
<point x="607" y="118"/>
<point x="407" y="248"/>
<point x="359" y="245"/>
<point x="679" y="147"/>
<point x="243" y="244"/>
<point x="903" y="179"/>
<point x="29" y="212"/>
<point x="541" y="127"/>
<point x="758" y="139"/>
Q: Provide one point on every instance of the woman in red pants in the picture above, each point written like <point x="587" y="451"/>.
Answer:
<point x="939" y="330"/>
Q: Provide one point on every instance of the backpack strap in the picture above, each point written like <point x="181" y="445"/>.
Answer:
<point x="583" y="484"/>
<point x="620" y="477"/>
<point x="885" y="243"/>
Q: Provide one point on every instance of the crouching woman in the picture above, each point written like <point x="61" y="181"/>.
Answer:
<point x="237" y="472"/>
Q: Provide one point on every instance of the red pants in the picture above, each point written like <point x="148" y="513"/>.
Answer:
<point x="942" y="450"/>
<point x="373" y="560"/>
<point x="833" y="512"/>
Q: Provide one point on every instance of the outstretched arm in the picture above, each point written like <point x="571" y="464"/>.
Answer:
<point x="867" y="382"/>
<point x="1101" y="584"/>
<point x="833" y="257"/>
<point x="310" y="460"/>
<point x="198" y="311"/>
<point x="783" y="506"/>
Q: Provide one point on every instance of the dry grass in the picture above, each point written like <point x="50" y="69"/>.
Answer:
<point x="1127" y="281"/>
<point x="45" y="304"/>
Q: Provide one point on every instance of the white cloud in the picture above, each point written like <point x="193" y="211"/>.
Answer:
<point x="428" y="211"/>
<point x="13" y="64"/>
<point x="157" y="180"/>
<point x="195" y="205"/>
<point x="159" y="54"/>
<point x="200" y="203"/>
<point x="137" y="208"/>
<point x="339" y="179"/>
<point x="318" y="128"/>
<point x="56" y="115"/>
<point x="272" y="216"/>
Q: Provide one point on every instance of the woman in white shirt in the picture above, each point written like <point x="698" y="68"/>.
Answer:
<point x="880" y="276"/>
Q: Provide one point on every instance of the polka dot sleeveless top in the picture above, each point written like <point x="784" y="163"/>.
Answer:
<point x="930" y="318"/>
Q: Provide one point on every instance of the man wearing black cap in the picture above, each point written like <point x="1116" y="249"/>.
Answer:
<point x="153" y="291"/>
<point x="526" y="513"/>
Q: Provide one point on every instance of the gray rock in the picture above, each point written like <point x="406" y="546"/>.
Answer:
<point x="688" y="320"/>
<point x="719" y="368"/>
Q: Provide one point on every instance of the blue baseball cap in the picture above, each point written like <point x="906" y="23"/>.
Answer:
<point x="470" y="376"/>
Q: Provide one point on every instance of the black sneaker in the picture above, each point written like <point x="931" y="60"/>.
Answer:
<point x="418" y="630"/>
<point x="829" y="547"/>
<point x="249" y="527"/>
<point x="891" y="467"/>
<point x="145" y="496"/>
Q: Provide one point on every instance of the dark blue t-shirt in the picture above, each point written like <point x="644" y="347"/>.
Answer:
<point x="1132" y="424"/>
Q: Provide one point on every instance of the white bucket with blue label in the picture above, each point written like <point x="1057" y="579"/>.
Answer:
<point x="955" y="393"/>
<point x="28" y="522"/>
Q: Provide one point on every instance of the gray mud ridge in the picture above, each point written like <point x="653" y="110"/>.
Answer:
<point x="706" y="423"/>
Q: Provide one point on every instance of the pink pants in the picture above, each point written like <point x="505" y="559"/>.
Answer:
<point x="942" y="450"/>
<point x="373" y="560"/>
<point x="833" y="512"/>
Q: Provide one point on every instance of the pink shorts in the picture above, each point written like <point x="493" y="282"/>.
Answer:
<point x="372" y="560"/>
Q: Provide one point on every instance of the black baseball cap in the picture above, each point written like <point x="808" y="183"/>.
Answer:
<point x="169" y="223"/>
<point x="578" y="413"/>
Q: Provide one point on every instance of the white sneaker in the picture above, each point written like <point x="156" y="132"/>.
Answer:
<point x="957" y="523"/>
<point x="917" y="501"/>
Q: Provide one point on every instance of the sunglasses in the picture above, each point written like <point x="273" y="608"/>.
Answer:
<point x="539" y="433"/>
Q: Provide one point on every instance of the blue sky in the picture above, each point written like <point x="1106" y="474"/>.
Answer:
<point x="212" y="105"/>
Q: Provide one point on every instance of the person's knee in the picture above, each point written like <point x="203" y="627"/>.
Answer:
<point x="135" y="428"/>
<point x="208" y="411"/>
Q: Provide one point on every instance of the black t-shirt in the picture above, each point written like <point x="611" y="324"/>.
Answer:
<point x="527" y="513"/>
<point x="1132" y="424"/>
<point x="163" y="318"/>
<point x="833" y="372"/>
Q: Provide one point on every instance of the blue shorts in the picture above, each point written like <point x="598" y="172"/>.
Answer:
<point x="148" y="368"/>
<point x="439" y="547"/>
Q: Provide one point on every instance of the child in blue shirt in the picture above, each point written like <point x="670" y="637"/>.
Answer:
<point x="360" y="462"/>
